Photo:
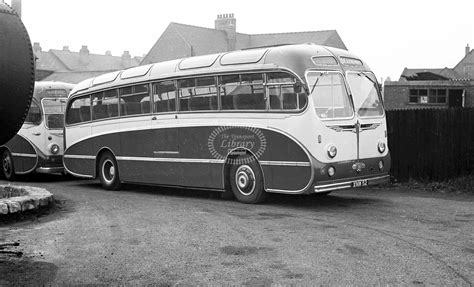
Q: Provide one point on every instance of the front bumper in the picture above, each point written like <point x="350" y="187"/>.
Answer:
<point x="350" y="174"/>
<point x="360" y="182"/>
<point x="50" y="170"/>
<point x="50" y="164"/>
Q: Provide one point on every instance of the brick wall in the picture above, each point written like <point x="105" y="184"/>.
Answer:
<point x="395" y="97"/>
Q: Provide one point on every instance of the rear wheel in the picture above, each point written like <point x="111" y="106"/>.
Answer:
<point x="246" y="180"/>
<point x="7" y="166"/>
<point x="108" y="172"/>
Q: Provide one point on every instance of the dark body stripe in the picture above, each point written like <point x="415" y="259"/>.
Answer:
<point x="194" y="156"/>
<point x="24" y="154"/>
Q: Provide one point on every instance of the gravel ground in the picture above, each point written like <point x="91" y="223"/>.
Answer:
<point x="149" y="235"/>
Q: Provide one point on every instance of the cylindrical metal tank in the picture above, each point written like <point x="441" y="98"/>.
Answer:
<point x="17" y="73"/>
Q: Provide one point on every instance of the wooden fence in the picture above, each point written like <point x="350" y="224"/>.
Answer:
<point x="431" y="144"/>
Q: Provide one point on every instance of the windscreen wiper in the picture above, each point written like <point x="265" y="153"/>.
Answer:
<point x="316" y="82"/>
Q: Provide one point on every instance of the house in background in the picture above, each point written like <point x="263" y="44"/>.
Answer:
<point x="74" y="67"/>
<point x="180" y="40"/>
<point x="433" y="88"/>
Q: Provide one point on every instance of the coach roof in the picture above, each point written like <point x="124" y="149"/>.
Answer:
<point x="296" y="58"/>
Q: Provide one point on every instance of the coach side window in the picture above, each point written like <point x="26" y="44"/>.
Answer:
<point x="105" y="105"/>
<point x="134" y="100"/>
<point x="164" y="97"/>
<point x="242" y="92"/>
<point x="198" y="94"/>
<point x="284" y="92"/>
<point x="79" y="110"/>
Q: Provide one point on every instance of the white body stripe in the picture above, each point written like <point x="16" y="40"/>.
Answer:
<point x="166" y="152"/>
<point x="79" y="156"/>
<point x="191" y="160"/>
<point x="24" y="155"/>
<point x="162" y="159"/>
<point x="286" y="163"/>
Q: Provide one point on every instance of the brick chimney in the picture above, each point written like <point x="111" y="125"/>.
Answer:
<point x="468" y="49"/>
<point x="16" y="5"/>
<point x="126" y="59"/>
<point x="108" y="53"/>
<point x="36" y="47"/>
<point x="84" y="54"/>
<point x="227" y="23"/>
<point x="84" y="51"/>
<point x="66" y="48"/>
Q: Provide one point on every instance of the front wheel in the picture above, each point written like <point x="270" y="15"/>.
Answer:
<point x="108" y="172"/>
<point x="7" y="166"/>
<point x="246" y="181"/>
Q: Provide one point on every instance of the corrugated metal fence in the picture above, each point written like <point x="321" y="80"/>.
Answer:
<point x="431" y="144"/>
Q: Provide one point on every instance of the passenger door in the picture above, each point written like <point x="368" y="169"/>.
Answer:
<point x="165" y="153"/>
<point x="135" y="133"/>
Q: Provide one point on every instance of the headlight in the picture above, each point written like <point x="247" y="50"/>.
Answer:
<point x="332" y="151"/>
<point x="381" y="147"/>
<point x="54" y="148"/>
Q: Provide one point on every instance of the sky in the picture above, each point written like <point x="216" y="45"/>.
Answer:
<point x="388" y="35"/>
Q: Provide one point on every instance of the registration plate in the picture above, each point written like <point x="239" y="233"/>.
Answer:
<point x="359" y="183"/>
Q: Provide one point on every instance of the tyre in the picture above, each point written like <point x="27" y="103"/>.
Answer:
<point x="108" y="172"/>
<point x="7" y="166"/>
<point x="246" y="180"/>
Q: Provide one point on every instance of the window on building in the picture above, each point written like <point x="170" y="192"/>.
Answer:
<point x="242" y="92"/>
<point x="437" y="96"/>
<point x="423" y="95"/>
<point x="427" y="96"/>
<point x="413" y="98"/>
<point x="135" y="100"/>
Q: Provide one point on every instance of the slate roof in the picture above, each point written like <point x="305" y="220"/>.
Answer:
<point x="326" y="38"/>
<point x="428" y="74"/>
<point x="73" y="77"/>
<point x="180" y="40"/>
<point x="463" y="71"/>
<point x="72" y="67"/>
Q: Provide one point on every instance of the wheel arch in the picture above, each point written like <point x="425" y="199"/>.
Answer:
<point x="3" y="148"/>
<point x="14" y="147"/>
<point x="102" y="151"/>
<point x="232" y="155"/>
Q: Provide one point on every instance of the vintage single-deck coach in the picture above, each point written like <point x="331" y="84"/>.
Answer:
<point x="38" y="145"/>
<point x="295" y="119"/>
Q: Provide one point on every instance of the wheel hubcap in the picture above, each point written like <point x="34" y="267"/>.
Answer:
<point x="108" y="170"/>
<point x="245" y="180"/>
